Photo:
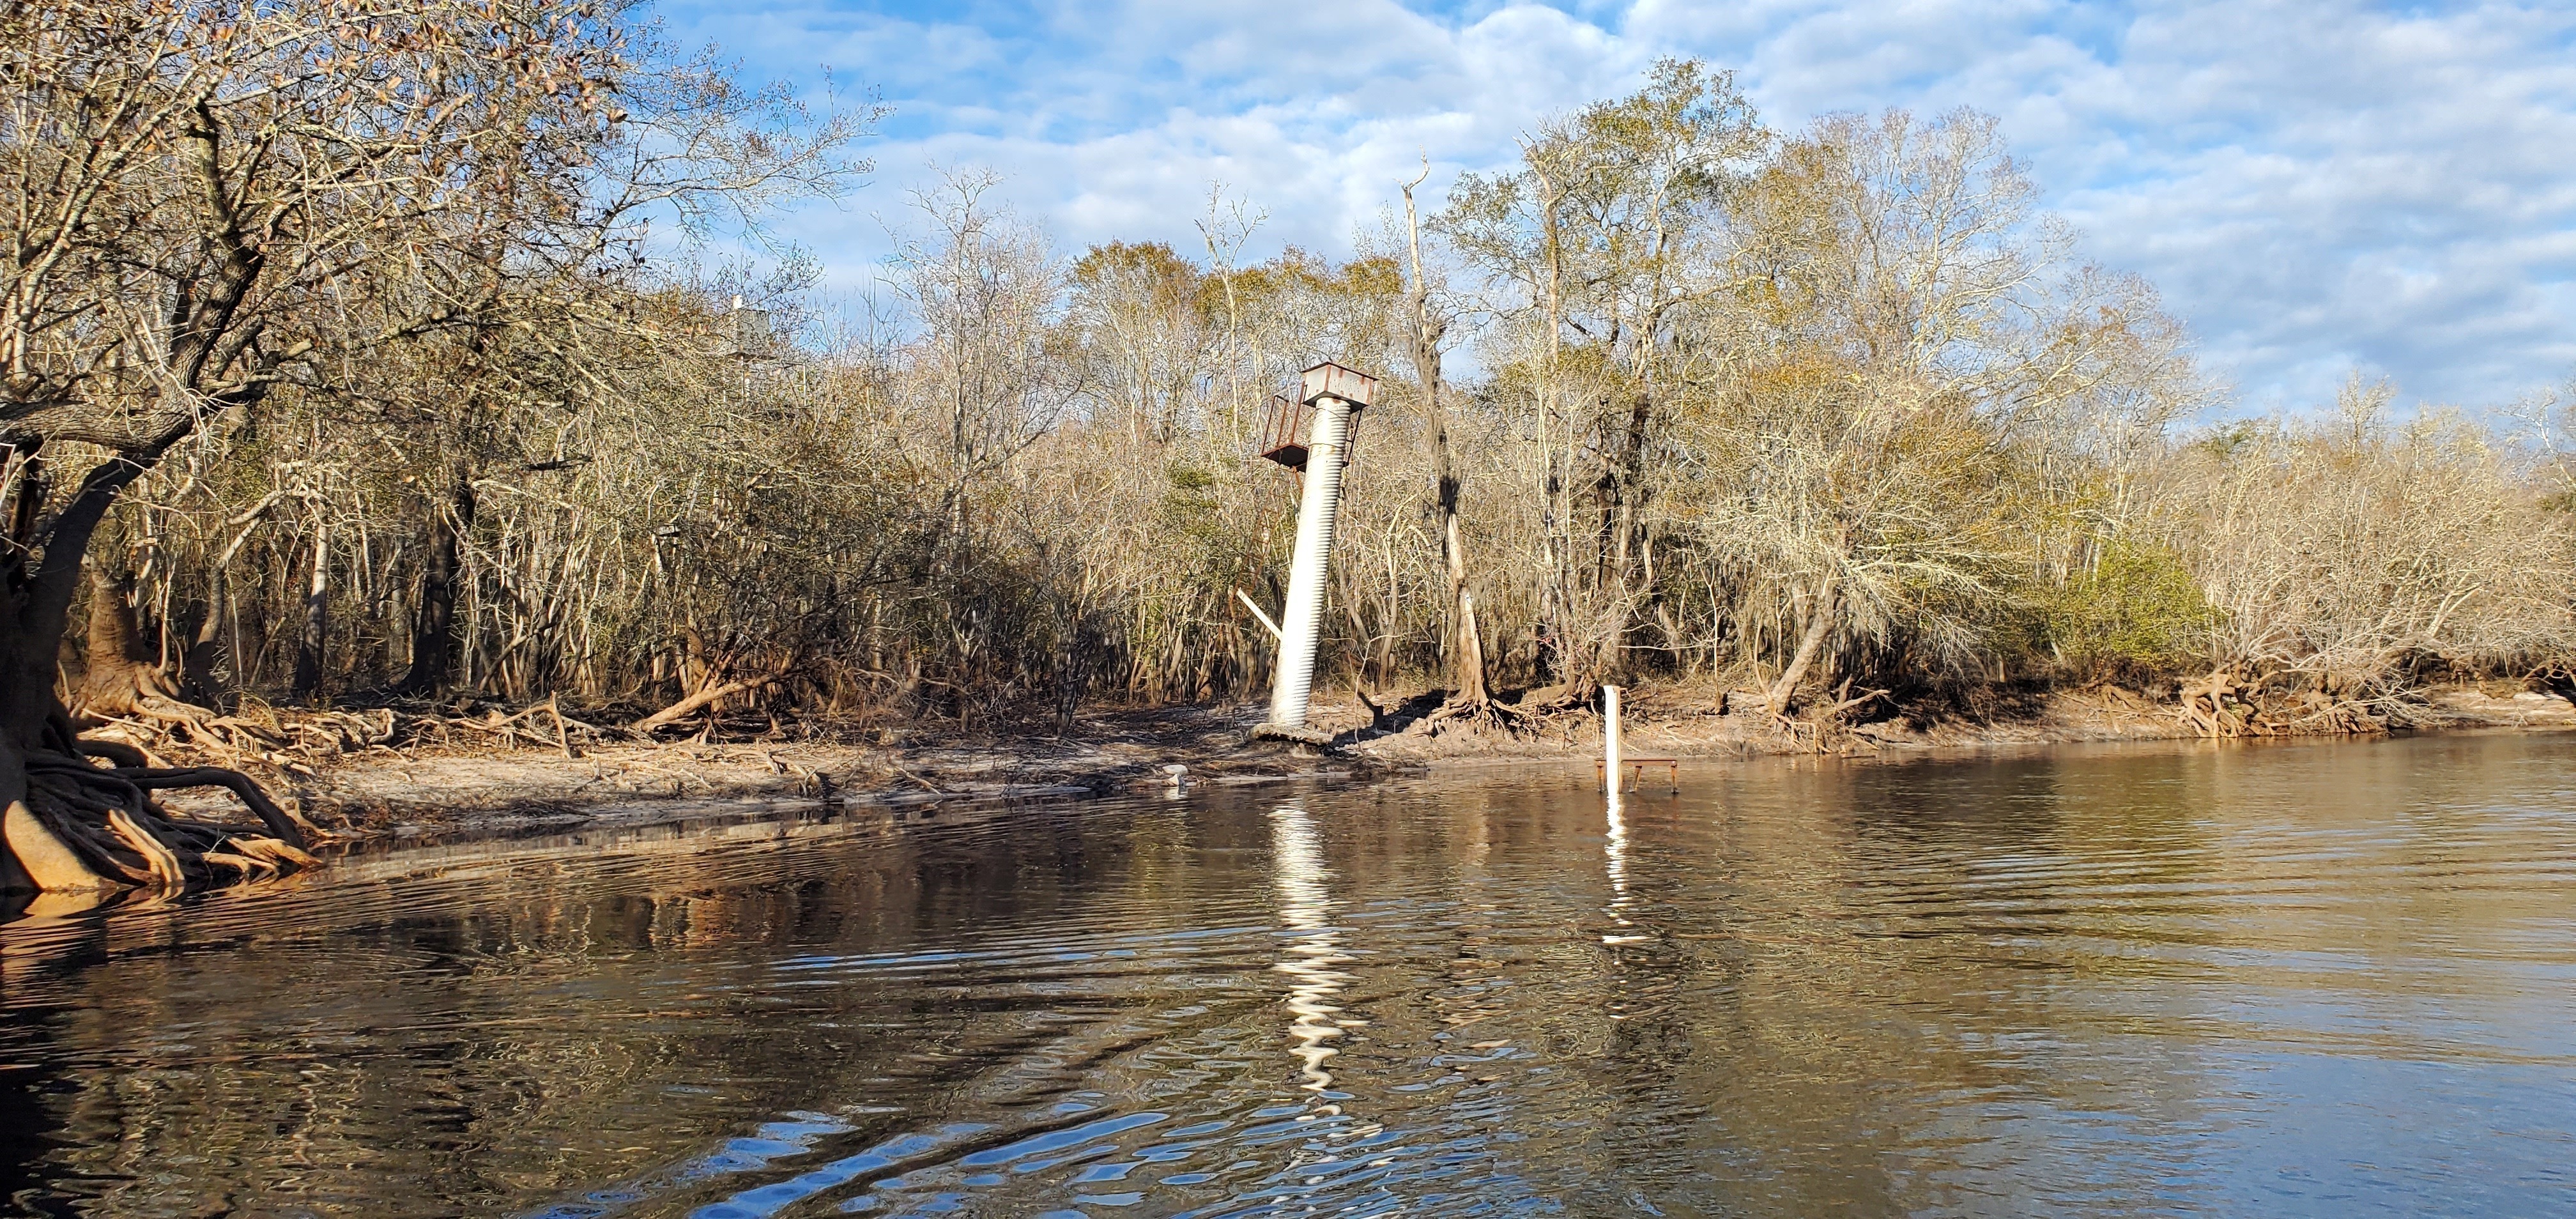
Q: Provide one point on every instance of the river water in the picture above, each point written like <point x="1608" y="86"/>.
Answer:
<point x="2318" y="979"/>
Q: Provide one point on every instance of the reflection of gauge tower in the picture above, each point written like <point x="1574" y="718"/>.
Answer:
<point x="1615" y="850"/>
<point x="1314" y="949"/>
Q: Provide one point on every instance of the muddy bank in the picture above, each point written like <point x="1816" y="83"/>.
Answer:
<point x="383" y="792"/>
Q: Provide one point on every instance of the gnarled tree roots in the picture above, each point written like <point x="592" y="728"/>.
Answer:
<point x="1475" y="715"/>
<point x="88" y="826"/>
<point x="2222" y="705"/>
<point x="2228" y="704"/>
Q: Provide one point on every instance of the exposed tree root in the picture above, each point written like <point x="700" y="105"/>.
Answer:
<point x="121" y="691"/>
<point x="1555" y="700"/>
<point x="2227" y="704"/>
<point x="117" y="753"/>
<point x="541" y="725"/>
<point x="1808" y="735"/>
<point x="2322" y="713"/>
<point x="2221" y="705"/>
<point x="84" y="826"/>
<point x="1825" y="727"/>
<point x="1476" y="714"/>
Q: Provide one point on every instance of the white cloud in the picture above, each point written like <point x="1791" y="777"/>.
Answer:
<point x="2316" y="187"/>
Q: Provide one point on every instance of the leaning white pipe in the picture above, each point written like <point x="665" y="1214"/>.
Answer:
<point x="1301" y="621"/>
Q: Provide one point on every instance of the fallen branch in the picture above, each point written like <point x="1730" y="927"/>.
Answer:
<point x="1846" y="702"/>
<point x="682" y="709"/>
<point x="1266" y="623"/>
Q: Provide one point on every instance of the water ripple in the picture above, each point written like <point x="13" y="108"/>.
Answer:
<point x="2316" y="979"/>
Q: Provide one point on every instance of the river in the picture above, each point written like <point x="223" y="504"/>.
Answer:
<point x="2333" y="978"/>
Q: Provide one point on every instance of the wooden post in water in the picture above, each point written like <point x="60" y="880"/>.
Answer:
<point x="1610" y="741"/>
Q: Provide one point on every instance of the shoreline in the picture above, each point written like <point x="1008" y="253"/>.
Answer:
<point x="384" y="796"/>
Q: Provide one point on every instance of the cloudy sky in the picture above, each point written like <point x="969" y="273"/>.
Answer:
<point x="2317" y="187"/>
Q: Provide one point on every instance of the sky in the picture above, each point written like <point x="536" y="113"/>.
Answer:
<point x="2318" y="189"/>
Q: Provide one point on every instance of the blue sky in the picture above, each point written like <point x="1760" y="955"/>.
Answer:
<point x="2316" y="187"/>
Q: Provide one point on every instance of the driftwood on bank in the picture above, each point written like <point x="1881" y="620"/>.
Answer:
<point x="686" y="707"/>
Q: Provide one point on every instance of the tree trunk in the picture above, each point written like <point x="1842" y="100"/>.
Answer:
<point x="433" y="633"/>
<point x="1622" y="482"/>
<point x="1467" y="656"/>
<point x="197" y="665"/>
<point x="31" y="631"/>
<point x="65" y="821"/>
<point x="116" y="678"/>
<point x="1471" y="648"/>
<point x="315" y="633"/>
<point x="1820" y="620"/>
<point x="26" y="687"/>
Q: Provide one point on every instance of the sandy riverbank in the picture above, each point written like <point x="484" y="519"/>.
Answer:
<point x="447" y="792"/>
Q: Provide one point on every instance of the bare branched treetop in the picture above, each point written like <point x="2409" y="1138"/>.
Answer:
<point x="203" y="197"/>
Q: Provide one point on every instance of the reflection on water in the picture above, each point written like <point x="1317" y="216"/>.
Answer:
<point x="1314" y="946"/>
<point x="1614" y="850"/>
<point x="2322" y="979"/>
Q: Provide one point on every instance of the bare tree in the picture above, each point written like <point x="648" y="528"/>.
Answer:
<point x="2351" y="551"/>
<point x="1468" y="694"/>
<point x="1614" y="231"/>
<point x="209" y="203"/>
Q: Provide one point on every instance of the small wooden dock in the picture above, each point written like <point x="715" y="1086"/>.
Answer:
<point x="1636" y="769"/>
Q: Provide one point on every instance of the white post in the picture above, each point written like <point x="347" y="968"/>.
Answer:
<point x="1301" y="621"/>
<point x="1610" y="742"/>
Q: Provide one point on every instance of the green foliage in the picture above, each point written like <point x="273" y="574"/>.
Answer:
<point x="1193" y="524"/>
<point x="2138" y="603"/>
